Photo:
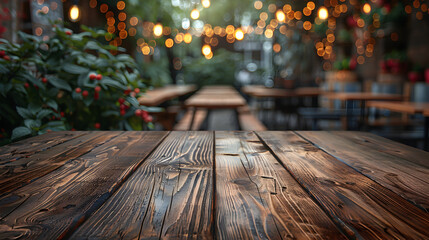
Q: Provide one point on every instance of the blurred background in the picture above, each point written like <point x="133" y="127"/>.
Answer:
<point x="376" y="46"/>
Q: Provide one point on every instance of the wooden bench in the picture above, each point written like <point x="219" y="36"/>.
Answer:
<point x="183" y="124"/>
<point x="248" y="121"/>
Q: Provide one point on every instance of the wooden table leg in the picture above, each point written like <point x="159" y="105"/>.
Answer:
<point x="192" y="119"/>
<point x="349" y="114"/>
<point x="362" y="115"/>
<point x="426" y="132"/>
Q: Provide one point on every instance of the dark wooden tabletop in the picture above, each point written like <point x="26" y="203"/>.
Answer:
<point x="205" y="185"/>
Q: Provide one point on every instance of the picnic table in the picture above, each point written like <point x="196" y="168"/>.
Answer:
<point x="362" y="98"/>
<point x="206" y="185"/>
<point x="157" y="96"/>
<point x="408" y="108"/>
<point x="214" y="97"/>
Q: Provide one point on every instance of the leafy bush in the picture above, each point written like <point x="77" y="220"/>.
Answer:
<point x="71" y="81"/>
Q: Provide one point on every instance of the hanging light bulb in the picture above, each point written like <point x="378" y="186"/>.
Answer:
<point x="322" y="13"/>
<point x="157" y="30"/>
<point x="74" y="13"/>
<point x="205" y="3"/>
<point x="195" y="14"/>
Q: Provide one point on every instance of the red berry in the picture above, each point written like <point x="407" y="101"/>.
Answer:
<point x="121" y="100"/>
<point x="97" y="125"/>
<point x="96" y="96"/>
<point x="148" y="119"/>
<point x="97" y="88"/>
<point x="137" y="90"/>
<point x="122" y="112"/>
<point x="85" y="93"/>
<point x="92" y="76"/>
<point x="68" y="32"/>
<point x="26" y="85"/>
<point x="73" y="129"/>
<point x="138" y="112"/>
<point x="2" y="53"/>
<point x="122" y="107"/>
<point x="6" y="57"/>
<point x="99" y="77"/>
<point x="44" y="80"/>
<point x="62" y="114"/>
<point x="145" y="114"/>
<point x="78" y="90"/>
<point x="36" y="87"/>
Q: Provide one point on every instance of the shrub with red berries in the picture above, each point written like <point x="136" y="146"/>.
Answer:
<point x="70" y="81"/>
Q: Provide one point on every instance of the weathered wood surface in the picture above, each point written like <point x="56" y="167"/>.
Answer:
<point x="30" y="146"/>
<point x="256" y="198"/>
<point x="205" y="185"/>
<point x="383" y="161"/>
<point x="54" y="205"/>
<point x="25" y="170"/>
<point x="362" y="207"/>
<point x="169" y="196"/>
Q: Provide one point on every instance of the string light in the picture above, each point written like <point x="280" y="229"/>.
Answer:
<point x="206" y="50"/>
<point x="280" y="15"/>
<point x="205" y="3"/>
<point x="239" y="34"/>
<point x="195" y="14"/>
<point x="366" y="8"/>
<point x="157" y="30"/>
<point x="323" y="13"/>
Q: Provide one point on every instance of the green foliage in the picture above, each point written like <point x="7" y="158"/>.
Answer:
<point x="218" y="70"/>
<point x="51" y="85"/>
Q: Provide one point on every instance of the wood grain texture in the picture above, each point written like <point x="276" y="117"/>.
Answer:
<point x="55" y="204"/>
<point x="25" y="170"/>
<point x="30" y="146"/>
<point x="386" y="162"/>
<point x="256" y="198"/>
<point x="170" y="196"/>
<point x="362" y="207"/>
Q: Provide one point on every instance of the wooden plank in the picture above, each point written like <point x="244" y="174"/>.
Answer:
<point x="183" y="124"/>
<point x="390" y="164"/>
<point x="30" y="146"/>
<point x="169" y="196"/>
<point x="25" y="170"/>
<point x="256" y="198"/>
<point x="55" y="204"/>
<point x="362" y="207"/>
